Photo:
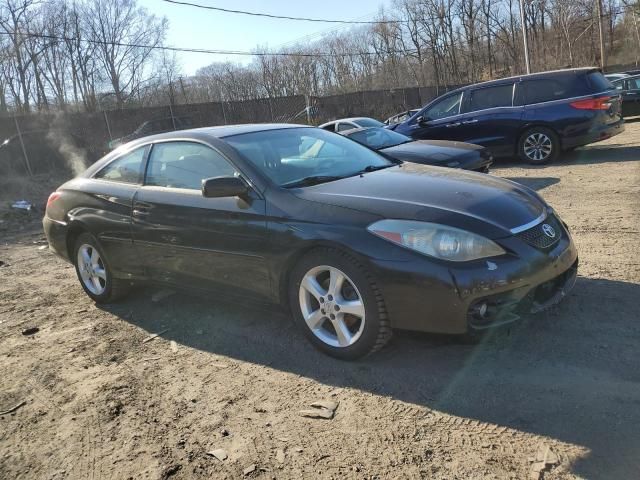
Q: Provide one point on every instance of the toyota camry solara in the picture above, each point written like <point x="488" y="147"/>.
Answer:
<point x="354" y="244"/>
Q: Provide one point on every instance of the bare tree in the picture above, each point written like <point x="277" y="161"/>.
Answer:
<point x="125" y="35"/>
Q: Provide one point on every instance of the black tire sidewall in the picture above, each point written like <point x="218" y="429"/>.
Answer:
<point x="555" y="145"/>
<point x="367" y="341"/>
<point x="89" y="239"/>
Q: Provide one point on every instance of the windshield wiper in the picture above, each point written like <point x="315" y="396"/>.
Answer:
<point x="312" y="180"/>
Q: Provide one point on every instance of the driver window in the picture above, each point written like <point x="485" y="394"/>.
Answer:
<point x="185" y="165"/>
<point x="342" y="127"/>
<point x="446" y="107"/>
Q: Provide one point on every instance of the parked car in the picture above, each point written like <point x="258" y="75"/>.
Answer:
<point x="354" y="243"/>
<point x="401" y="117"/>
<point x="615" y="76"/>
<point x="150" y="127"/>
<point x="350" y="123"/>
<point x="629" y="88"/>
<point x="442" y="153"/>
<point x="532" y="116"/>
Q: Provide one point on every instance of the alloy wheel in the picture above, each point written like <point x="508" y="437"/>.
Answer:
<point x="332" y="306"/>
<point x="538" y="146"/>
<point x="92" y="270"/>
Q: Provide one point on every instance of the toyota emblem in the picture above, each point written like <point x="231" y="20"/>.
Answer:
<point x="548" y="230"/>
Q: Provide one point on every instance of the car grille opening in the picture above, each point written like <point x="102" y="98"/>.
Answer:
<point x="540" y="235"/>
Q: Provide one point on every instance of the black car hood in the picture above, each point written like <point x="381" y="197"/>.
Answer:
<point x="473" y="201"/>
<point x="435" y="151"/>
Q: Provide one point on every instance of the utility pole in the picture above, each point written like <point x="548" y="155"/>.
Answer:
<point x="603" y="60"/>
<point x="524" y="37"/>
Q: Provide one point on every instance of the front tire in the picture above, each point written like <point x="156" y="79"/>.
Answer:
<point x="94" y="272"/>
<point x="338" y="305"/>
<point x="538" y="145"/>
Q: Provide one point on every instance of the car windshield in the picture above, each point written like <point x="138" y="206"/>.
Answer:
<point x="378" y="138"/>
<point x="292" y="155"/>
<point x="367" y="122"/>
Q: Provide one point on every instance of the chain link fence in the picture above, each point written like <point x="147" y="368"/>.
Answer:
<point x="68" y="142"/>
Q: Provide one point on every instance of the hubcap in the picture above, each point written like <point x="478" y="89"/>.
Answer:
<point x="537" y="146"/>
<point x="91" y="268"/>
<point x="332" y="306"/>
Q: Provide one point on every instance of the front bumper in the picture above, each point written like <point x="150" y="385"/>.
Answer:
<point x="441" y="297"/>
<point x="495" y="310"/>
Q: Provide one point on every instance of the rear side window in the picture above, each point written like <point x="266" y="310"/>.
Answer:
<point x="368" y="122"/>
<point x="559" y="87"/>
<point x="598" y="82"/>
<point x="633" y="84"/>
<point x="490" y="97"/>
<point x="185" y="165"/>
<point x="342" y="127"/>
<point x="126" y="169"/>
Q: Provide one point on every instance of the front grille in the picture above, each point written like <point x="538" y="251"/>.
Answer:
<point x="537" y="237"/>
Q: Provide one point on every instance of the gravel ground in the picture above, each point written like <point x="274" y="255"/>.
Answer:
<point x="102" y="403"/>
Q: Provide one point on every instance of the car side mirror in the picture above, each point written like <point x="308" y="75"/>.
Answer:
<point x="422" y="120"/>
<point x="217" y="187"/>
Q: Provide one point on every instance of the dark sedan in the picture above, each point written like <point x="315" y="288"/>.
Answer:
<point x="353" y="243"/>
<point x="442" y="153"/>
<point x="629" y="88"/>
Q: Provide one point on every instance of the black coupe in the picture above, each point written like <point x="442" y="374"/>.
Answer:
<point x="353" y="243"/>
<point x="442" y="153"/>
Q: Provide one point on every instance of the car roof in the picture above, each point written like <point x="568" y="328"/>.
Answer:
<point x="221" y="131"/>
<point x="626" y="77"/>
<point x="350" y="119"/>
<point x="361" y="129"/>
<point x="550" y="73"/>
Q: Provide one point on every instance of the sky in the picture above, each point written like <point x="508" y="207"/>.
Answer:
<point x="197" y="28"/>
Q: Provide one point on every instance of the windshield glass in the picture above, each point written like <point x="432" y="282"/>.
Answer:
<point x="368" y="122"/>
<point x="292" y="154"/>
<point x="378" y="138"/>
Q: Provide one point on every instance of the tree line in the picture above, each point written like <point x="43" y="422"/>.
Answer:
<point x="62" y="53"/>
<point x="91" y="53"/>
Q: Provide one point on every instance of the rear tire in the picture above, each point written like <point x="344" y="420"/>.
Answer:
<point x="538" y="145"/>
<point x="338" y="305"/>
<point x="94" y="272"/>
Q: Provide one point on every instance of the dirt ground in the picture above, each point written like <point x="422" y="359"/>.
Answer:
<point x="101" y="403"/>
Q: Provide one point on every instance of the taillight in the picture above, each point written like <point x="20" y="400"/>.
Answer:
<point x="52" y="198"/>
<point x="601" y="103"/>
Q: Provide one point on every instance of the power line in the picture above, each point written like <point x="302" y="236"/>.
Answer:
<point x="205" y="50"/>
<point x="317" y="34"/>
<point x="280" y="17"/>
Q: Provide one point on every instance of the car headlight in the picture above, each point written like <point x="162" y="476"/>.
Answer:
<point x="435" y="240"/>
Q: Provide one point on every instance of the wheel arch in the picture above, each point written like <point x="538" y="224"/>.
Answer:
<point x="535" y="124"/>
<point x="284" y="276"/>
<point x="75" y="229"/>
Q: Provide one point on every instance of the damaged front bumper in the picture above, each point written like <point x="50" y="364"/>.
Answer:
<point x="507" y="307"/>
<point x="439" y="297"/>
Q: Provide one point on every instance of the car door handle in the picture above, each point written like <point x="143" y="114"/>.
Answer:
<point x="140" y="209"/>
<point x="467" y="122"/>
<point x="451" y="125"/>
